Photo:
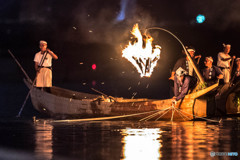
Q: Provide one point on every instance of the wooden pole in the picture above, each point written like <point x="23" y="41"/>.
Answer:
<point x="194" y="66"/>
<point x="23" y="105"/>
<point x="24" y="72"/>
<point x="185" y="51"/>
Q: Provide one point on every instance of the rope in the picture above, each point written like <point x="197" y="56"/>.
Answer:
<point x="165" y="111"/>
<point x="162" y="115"/>
<point x="182" y="115"/>
<point x="153" y="115"/>
<point x="136" y="114"/>
<point x="198" y="116"/>
<point x="173" y="111"/>
<point x="104" y="118"/>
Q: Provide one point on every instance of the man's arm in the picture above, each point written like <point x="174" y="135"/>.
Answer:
<point x="176" y="66"/>
<point x="224" y="59"/>
<point x="227" y="59"/>
<point x="198" y="57"/>
<point x="219" y="73"/>
<point x="52" y="54"/>
<point x="36" y="67"/>
<point x="172" y="76"/>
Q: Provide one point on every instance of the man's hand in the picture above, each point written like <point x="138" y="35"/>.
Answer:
<point x="52" y="54"/>
<point x="198" y="56"/>
<point x="49" y="51"/>
<point x="220" y="76"/>
<point x="174" y="101"/>
<point x="171" y="78"/>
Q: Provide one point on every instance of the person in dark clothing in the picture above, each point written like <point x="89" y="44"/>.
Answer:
<point x="236" y="72"/>
<point x="182" y="84"/>
<point x="211" y="73"/>
<point x="185" y="64"/>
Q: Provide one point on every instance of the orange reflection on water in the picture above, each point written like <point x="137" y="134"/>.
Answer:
<point x="193" y="140"/>
<point x="43" y="140"/>
<point x="141" y="144"/>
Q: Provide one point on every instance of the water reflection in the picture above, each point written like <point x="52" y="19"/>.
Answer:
<point x="141" y="144"/>
<point x="119" y="140"/>
<point x="191" y="140"/>
<point x="43" y="140"/>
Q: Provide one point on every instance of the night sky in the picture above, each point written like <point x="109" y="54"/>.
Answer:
<point x="87" y="32"/>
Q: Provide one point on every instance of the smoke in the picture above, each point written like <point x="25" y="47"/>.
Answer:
<point x="35" y="11"/>
<point x="220" y="14"/>
<point x="121" y="15"/>
<point x="109" y="22"/>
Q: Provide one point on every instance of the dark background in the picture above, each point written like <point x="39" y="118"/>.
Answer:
<point x="89" y="32"/>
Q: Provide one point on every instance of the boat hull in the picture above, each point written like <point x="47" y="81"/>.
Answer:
<point x="60" y="107"/>
<point x="62" y="103"/>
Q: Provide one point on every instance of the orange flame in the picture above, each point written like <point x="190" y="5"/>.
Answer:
<point x="141" y="53"/>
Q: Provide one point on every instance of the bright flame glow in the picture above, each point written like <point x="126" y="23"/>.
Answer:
<point x="141" y="144"/>
<point x="141" y="53"/>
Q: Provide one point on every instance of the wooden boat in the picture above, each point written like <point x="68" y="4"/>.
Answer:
<point x="66" y="103"/>
<point x="63" y="103"/>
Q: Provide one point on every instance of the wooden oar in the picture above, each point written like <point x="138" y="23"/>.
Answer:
<point x="41" y="63"/>
<point x="24" y="72"/>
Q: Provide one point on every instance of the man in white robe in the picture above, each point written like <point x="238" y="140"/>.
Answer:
<point x="43" y="65"/>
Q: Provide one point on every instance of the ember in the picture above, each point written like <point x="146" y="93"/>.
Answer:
<point x="141" y="53"/>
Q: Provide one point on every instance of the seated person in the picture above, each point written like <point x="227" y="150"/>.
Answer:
<point x="182" y="83"/>
<point x="236" y="72"/>
<point x="211" y="73"/>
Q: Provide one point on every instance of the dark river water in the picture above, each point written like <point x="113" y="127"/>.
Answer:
<point x="101" y="140"/>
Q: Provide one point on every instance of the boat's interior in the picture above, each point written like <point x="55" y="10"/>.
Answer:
<point x="81" y="95"/>
<point x="66" y="93"/>
<point x="71" y="94"/>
